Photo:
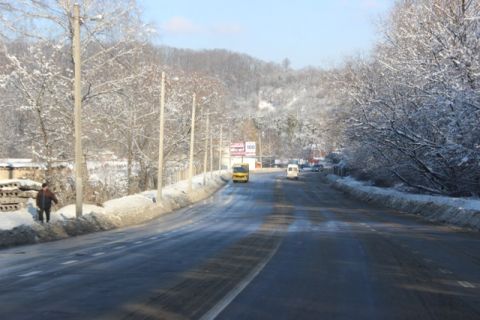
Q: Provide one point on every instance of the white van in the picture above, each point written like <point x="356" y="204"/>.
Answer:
<point x="292" y="171"/>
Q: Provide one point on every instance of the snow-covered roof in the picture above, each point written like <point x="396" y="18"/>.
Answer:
<point x="28" y="163"/>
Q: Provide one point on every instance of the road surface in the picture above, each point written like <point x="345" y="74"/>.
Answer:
<point x="269" y="249"/>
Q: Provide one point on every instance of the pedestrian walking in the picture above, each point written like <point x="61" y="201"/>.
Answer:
<point x="44" y="202"/>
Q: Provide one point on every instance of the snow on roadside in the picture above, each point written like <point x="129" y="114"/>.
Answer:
<point x="12" y="219"/>
<point x="28" y="215"/>
<point x="461" y="212"/>
<point x="21" y="227"/>
<point x="69" y="212"/>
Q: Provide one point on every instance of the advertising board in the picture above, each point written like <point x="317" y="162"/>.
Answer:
<point x="250" y="149"/>
<point x="237" y="149"/>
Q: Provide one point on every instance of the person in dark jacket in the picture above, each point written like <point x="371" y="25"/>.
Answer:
<point x="44" y="202"/>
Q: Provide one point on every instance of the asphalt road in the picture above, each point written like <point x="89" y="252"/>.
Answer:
<point x="269" y="249"/>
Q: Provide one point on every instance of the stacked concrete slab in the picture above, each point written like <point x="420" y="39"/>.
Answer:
<point x="15" y="194"/>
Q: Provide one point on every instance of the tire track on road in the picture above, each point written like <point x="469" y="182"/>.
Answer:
<point x="211" y="285"/>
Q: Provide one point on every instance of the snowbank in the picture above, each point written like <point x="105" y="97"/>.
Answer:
<point x="460" y="212"/>
<point x="12" y="219"/>
<point x="20" y="227"/>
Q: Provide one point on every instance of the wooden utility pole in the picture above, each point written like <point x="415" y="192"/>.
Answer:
<point x="205" y="154"/>
<point x="229" y="146"/>
<point x="160" y="143"/>
<point x="192" y="141"/>
<point x="77" y="94"/>
<point x="211" y="155"/>
<point x="260" y="148"/>
<point x="220" y="153"/>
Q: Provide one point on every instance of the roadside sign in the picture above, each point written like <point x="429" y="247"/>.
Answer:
<point x="237" y="149"/>
<point x="250" y="148"/>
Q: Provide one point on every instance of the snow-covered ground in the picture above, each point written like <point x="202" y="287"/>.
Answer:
<point x="12" y="219"/>
<point x="461" y="212"/>
<point x="20" y="227"/>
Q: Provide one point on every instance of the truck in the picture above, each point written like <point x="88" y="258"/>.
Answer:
<point x="240" y="172"/>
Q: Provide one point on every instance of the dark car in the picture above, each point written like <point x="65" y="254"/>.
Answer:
<point x="305" y="167"/>
<point x="317" y="168"/>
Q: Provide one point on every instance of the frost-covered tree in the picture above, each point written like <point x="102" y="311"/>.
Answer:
<point x="414" y="105"/>
<point x="39" y="57"/>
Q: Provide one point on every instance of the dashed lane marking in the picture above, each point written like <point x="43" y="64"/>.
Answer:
<point x="138" y="242"/>
<point x="445" y="271"/>
<point x="29" y="274"/>
<point x="69" y="262"/>
<point x="119" y="247"/>
<point x="153" y="238"/>
<point x="466" y="284"/>
<point x="98" y="254"/>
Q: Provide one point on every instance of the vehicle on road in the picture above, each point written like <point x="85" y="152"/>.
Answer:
<point x="292" y="171"/>
<point x="305" y="167"/>
<point x="317" y="168"/>
<point x="241" y="172"/>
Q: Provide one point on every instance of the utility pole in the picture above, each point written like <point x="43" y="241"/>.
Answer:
<point x="77" y="93"/>
<point x="260" y="148"/>
<point x="220" y="149"/>
<point x="229" y="146"/>
<point x="192" y="140"/>
<point x="211" y="155"/>
<point x="160" y="143"/>
<point x="205" y="155"/>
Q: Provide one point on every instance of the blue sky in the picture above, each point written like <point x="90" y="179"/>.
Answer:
<point x="308" y="32"/>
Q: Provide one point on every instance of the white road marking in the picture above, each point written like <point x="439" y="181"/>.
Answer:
<point x="466" y="284"/>
<point x="98" y="254"/>
<point x="445" y="271"/>
<point x="228" y="200"/>
<point x="138" y="242"/>
<point x="30" y="273"/>
<point x="153" y="238"/>
<point x="229" y="297"/>
<point x="119" y="247"/>
<point x="69" y="262"/>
